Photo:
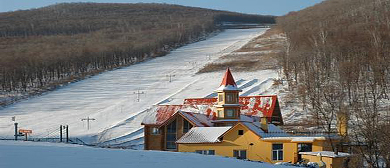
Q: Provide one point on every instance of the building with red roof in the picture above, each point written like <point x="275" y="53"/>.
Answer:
<point x="225" y="110"/>
<point x="230" y="125"/>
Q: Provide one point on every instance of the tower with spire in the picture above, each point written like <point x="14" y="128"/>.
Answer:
<point x="228" y="106"/>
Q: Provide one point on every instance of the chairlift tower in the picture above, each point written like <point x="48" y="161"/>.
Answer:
<point x="138" y="93"/>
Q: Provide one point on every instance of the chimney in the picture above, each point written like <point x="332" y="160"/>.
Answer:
<point x="264" y="124"/>
<point x="342" y="124"/>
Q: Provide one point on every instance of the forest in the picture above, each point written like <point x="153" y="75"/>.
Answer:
<point x="337" y="59"/>
<point x="45" y="47"/>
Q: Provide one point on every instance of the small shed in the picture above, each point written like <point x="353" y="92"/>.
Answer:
<point x="331" y="159"/>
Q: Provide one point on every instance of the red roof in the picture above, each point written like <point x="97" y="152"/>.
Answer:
<point x="164" y="112"/>
<point x="250" y="105"/>
<point x="228" y="79"/>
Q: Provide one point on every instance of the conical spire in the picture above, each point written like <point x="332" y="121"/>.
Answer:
<point x="228" y="79"/>
<point x="228" y="82"/>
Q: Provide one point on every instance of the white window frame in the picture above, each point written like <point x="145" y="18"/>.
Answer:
<point x="155" y="131"/>
<point x="277" y="153"/>
<point x="205" y="152"/>
<point x="240" y="153"/>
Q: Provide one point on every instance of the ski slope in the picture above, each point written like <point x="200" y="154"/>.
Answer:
<point x="110" y="97"/>
<point x="24" y="154"/>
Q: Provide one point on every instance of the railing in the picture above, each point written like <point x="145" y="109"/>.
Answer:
<point x="53" y="140"/>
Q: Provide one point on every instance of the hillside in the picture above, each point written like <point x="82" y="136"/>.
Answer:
<point x="76" y="156"/>
<point x="337" y="61"/>
<point x="43" y="48"/>
<point x="110" y="97"/>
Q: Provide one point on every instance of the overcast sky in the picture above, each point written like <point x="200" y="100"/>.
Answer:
<point x="270" y="7"/>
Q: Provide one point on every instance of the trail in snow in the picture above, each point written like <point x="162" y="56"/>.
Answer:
<point x="109" y="97"/>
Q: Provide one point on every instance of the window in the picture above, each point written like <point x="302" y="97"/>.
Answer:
<point x="155" y="131"/>
<point x="239" y="154"/>
<point x="229" y="98"/>
<point x="304" y="147"/>
<point x="230" y="112"/>
<point x="186" y="126"/>
<point x="220" y="97"/>
<point x="171" y="135"/>
<point x="220" y="113"/>
<point x="277" y="151"/>
<point x="205" y="152"/>
<point x="240" y="132"/>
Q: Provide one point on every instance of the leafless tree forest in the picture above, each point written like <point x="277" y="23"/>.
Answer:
<point x="56" y="44"/>
<point x="337" y="58"/>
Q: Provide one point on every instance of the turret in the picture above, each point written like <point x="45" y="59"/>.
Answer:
<point x="228" y="106"/>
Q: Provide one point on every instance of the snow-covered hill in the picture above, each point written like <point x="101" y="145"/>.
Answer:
<point x="109" y="97"/>
<point x="24" y="154"/>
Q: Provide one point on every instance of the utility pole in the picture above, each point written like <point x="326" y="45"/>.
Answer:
<point x="65" y="127"/>
<point x="138" y="93"/>
<point x="67" y="133"/>
<point x="170" y="77"/>
<point x="88" y="119"/>
<point x="60" y="133"/>
<point x="16" y="131"/>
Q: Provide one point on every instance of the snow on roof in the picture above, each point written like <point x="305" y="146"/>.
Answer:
<point x="296" y="138"/>
<point x="228" y="88"/>
<point x="200" y="120"/>
<point x="326" y="154"/>
<point x="243" y="118"/>
<point x="160" y="113"/>
<point x="250" y="106"/>
<point x="258" y="105"/>
<point x="305" y="139"/>
<point x="203" y="135"/>
<point x="273" y="130"/>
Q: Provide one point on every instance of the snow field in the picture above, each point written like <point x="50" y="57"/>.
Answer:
<point x="109" y="97"/>
<point x="38" y="155"/>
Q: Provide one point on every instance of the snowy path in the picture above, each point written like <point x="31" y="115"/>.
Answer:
<point x="109" y="97"/>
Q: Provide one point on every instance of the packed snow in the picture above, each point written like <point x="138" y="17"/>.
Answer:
<point x="203" y="135"/>
<point x="38" y="155"/>
<point x="111" y="97"/>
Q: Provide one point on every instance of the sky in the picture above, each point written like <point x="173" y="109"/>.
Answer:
<point x="268" y="7"/>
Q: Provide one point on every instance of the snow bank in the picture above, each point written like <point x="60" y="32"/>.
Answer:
<point x="38" y="155"/>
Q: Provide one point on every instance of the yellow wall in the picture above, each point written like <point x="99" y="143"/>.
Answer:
<point x="259" y="151"/>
